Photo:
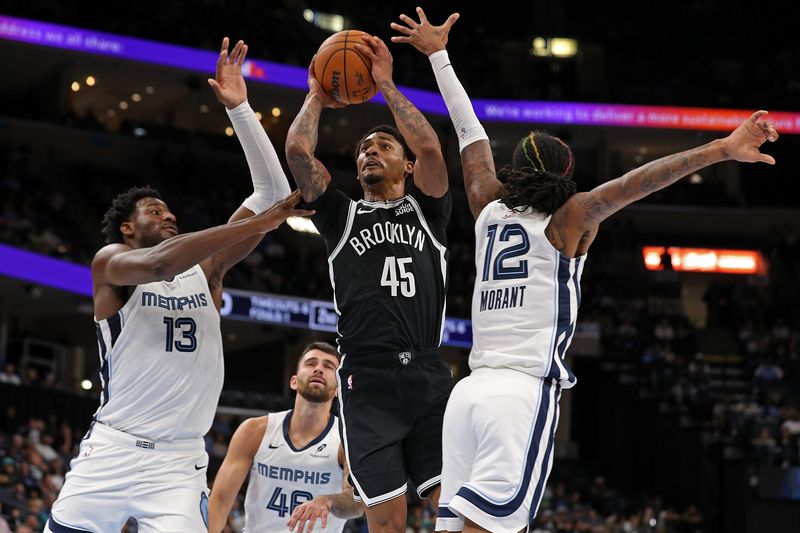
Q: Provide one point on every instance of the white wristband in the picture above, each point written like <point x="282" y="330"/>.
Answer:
<point x="468" y="127"/>
<point x="269" y="180"/>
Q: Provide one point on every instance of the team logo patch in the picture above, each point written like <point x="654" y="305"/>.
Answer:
<point x="204" y="508"/>
<point x="405" y="357"/>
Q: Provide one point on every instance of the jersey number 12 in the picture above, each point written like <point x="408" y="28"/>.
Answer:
<point x="498" y="269"/>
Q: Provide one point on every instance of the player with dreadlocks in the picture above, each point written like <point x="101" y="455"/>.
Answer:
<point x="532" y="231"/>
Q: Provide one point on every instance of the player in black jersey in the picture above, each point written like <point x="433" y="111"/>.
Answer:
<point x="388" y="265"/>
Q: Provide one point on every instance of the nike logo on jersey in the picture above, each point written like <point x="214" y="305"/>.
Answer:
<point x="364" y="211"/>
<point x="271" y="447"/>
<point x="199" y="467"/>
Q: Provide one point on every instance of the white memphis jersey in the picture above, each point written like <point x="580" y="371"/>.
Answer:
<point x="526" y="297"/>
<point x="161" y="360"/>
<point x="283" y="477"/>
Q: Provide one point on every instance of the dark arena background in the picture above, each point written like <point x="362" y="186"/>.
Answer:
<point x="686" y="417"/>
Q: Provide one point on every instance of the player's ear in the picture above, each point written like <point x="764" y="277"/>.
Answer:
<point x="126" y="228"/>
<point x="293" y="383"/>
<point x="408" y="167"/>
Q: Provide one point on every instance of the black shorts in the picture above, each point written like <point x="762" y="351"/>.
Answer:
<point x="391" y="407"/>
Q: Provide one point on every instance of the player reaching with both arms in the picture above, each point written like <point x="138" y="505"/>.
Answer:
<point x="533" y="231"/>
<point x="388" y="265"/>
<point x="157" y="296"/>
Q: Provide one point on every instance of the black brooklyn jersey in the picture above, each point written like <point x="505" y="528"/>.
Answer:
<point x="388" y="268"/>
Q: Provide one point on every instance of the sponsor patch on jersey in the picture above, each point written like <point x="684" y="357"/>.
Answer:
<point x="405" y="207"/>
<point x="318" y="452"/>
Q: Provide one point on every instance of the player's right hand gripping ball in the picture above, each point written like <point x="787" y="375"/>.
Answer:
<point x="344" y="72"/>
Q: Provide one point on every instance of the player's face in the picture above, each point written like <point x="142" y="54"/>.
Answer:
<point x="152" y="222"/>
<point x="380" y="157"/>
<point x="315" y="380"/>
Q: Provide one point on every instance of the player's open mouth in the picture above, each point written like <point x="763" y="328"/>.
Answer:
<point x="370" y="164"/>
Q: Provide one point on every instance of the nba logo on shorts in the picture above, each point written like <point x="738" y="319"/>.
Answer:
<point x="405" y="357"/>
<point x="350" y="382"/>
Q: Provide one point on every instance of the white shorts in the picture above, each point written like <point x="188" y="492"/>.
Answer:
<point x="117" y="475"/>
<point x="497" y="447"/>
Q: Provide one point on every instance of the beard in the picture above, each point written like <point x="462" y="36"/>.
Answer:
<point x="314" y="394"/>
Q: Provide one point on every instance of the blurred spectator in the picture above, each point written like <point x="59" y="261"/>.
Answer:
<point x="9" y="375"/>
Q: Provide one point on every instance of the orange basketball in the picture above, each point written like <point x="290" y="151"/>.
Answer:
<point x="344" y="72"/>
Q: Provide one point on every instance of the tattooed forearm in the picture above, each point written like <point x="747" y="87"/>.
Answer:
<point x="608" y="198"/>
<point x="301" y="141"/>
<point x="344" y="506"/>
<point x="480" y="179"/>
<point x="302" y="133"/>
<point x="415" y="128"/>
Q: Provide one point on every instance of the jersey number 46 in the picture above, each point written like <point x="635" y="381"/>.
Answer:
<point x="277" y="502"/>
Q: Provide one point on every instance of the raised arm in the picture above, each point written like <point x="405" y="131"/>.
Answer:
<point x="584" y="211"/>
<point x="269" y="180"/>
<point x="430" y="171"/>
<point x="311" y="176"/>
<point x="120" y="265"/>
<point x="244" y="445"/>
<point x="480" y="179"/>
<point x="342" y="505"/>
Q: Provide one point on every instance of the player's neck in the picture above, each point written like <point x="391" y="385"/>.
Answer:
<point x="309" y="419"/>
<point x="384" y="192"/>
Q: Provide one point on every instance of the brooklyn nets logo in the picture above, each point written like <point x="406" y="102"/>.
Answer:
<point x="405" y="357"/>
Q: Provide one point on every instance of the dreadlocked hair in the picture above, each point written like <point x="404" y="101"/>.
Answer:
<point x="540" y="174"/>
<point x="122" y="207"/>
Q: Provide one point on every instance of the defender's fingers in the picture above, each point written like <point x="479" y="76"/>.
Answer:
<point x="401" y="29"/>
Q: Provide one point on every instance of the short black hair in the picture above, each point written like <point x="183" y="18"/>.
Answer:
<point x="321" y="346"/>
<point x="394" y="132"/>
<point x="540" y="175"/>
<point x="122" y="207"/>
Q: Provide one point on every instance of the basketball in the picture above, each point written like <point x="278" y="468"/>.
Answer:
<point x="344" y="72"/>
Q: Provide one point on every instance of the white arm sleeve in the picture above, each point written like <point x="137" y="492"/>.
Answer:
<point x="269" y="180"/>
<point x="467" y="126"/>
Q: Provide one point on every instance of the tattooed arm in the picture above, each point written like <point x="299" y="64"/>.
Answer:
<point x="430" y="172"/>
<point x="310" y="174"/>
<point x="577" y="220"/>
<point x="480" y="179"/>
<point x="342" y="505"/>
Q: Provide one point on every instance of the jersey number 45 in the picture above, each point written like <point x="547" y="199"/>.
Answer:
<point x="397" y="278"/>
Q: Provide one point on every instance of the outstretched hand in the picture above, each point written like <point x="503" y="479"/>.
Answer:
<point x="228" y="83"/>
<point x="422" y="35"/>
<point x="283" y="209"/>
<point x="316" y="89"/>
<point x="380" y="56"/>
<point x="744" y="142"/>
